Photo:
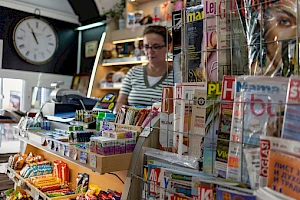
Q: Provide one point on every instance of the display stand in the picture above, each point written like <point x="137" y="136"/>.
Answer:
<point x="108" y="171"/>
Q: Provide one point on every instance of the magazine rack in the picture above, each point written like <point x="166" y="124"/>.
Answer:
<point x="243" y="47"/>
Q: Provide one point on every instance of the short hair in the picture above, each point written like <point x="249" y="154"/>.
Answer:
<point x="159" y="30"/>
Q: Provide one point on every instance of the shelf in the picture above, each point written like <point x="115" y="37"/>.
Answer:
<point x="110" y="86"/>
<point x="130" y="61"/>
<point x="31" y="189"/>
<point x="104" y="164"/>
<point x="128" y="33"/>
<point x="127" y="40"/>
<point x="139" y="1"/>
<point x="125" y="61"/>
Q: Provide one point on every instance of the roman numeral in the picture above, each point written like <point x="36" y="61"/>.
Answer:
<point x="51" y="44"/>
<point x="28" y="25"/>
<point x="21" y="46"/>
<point x="22" y="30"/>
<point x="37" y="24"/>
<point x="27" y="53"/>
<point x="49" y="35"/>
<point x="44" y="28"/>
<point x="48" y="51"/>
<point x="43" y="55"/>
<point x="20" y="38"/>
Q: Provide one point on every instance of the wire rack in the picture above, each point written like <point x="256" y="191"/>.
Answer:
<point x="246" y="45"/>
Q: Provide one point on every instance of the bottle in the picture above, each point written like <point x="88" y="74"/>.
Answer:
<point x="70" y="132"/>
<point x="99" y="119"/>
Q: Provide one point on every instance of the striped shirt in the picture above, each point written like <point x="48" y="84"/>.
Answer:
<point x="135" y="85"/>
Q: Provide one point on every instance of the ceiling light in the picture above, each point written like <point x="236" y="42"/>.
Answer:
<point x="81" y="28"/>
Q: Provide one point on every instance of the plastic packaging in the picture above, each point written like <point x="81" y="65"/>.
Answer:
<point x="98" y="120"/>
<point x="271" y="34"/>
<point x="186" y="161"/>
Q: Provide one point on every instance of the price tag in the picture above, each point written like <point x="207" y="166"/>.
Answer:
<point x="67" y="151"/>
<point x="83" y="157"/>
<point x="73" y="154"/>
<point x="36" y="195"/>
<point x="20" y="182"/>
<point x="146" y="132"/>
<point x="93" y="161"/>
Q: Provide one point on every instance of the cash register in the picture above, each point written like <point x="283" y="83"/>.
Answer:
<point x="66" y="101"/>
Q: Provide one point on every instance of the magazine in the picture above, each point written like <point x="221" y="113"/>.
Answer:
<point x="176" y="42"/>
<point x="283" y="173"/>
<point x="209" y="61"/>
<point x="223" y="193"/>
<point x="214" y="90"/>
<point x="183" y="96"/>
<point x="270" y="41"/>
<point x="194" y="37"/>
<point x="291" y="122"/>
<point x="255" y="114"/>
<point x="166" y="119"/>
<point x="268" y="143"/>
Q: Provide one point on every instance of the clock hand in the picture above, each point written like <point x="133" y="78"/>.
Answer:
<point x="34" y="36"/>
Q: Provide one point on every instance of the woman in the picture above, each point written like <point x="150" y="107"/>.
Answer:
<point x="143" y="84"/>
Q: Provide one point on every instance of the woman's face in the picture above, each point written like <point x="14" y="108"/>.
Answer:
<point x="155" y="48"/>
<point x="279" y="24"/>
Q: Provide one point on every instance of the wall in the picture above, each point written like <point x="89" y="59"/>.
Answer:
<point x="64" y="60"/>
<point x="86" y="65"/>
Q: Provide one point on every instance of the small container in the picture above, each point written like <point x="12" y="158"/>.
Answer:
<point x="99" y="119"/>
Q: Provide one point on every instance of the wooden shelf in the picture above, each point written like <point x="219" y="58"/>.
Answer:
<point x="34" y="192"/>
<point x="130" y="61"/>
<point x="104" y="164"/>
<point x="140" y="1"/>
<point x="128" y="33"/>
<point x="124" y="61"/>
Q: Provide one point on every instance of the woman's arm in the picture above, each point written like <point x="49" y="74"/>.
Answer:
<point x="122" y="100"/>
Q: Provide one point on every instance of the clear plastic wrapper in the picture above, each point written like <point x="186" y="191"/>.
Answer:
<point x="186" y="161"/>
<point x="270" y="28"/>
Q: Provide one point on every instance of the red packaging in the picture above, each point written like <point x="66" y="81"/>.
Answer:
<point x="50" y="187"/>
<point x="57" y="169"/>
<point x="65" y="172"/>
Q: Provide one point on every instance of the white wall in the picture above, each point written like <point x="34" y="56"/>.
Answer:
<point x="55" y="9"/>
<point x="58" y="5"/>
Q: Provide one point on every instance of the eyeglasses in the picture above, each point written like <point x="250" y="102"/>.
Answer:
<point x="155" y="47"/>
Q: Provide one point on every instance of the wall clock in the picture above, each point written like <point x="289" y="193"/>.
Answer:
<point x="35" y="40"/>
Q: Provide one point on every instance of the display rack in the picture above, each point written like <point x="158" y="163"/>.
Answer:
<point x="105" y="164"/>
<point x="30" y="189"/>
<point x="231" y="50"/>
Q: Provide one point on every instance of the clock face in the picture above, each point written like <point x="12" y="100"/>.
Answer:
<point x="35" y="40"/>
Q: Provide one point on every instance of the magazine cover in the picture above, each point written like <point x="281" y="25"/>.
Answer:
<point x="268" y="143"/>
<point x="176" y="38"/>
<point x="194" y="37"/>
<point x="196" y="137"/>
<point x="270" y="28"/>
<point x="291" y="123"/>
<point x="283" y="173"/>
<point x="209" y="61"/>
<point x="166" y="119"/>
<point x="231" y="40"/>
<point x="255" y="115"/>
<point x="183" y="96"/>
<point x="224" y="194"/>
<point x="214" y="90"/>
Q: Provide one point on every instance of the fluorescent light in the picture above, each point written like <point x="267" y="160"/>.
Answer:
<point x="91" y="84"/>
<point x="81" y="28"/>
<point x="127" y="40"/>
